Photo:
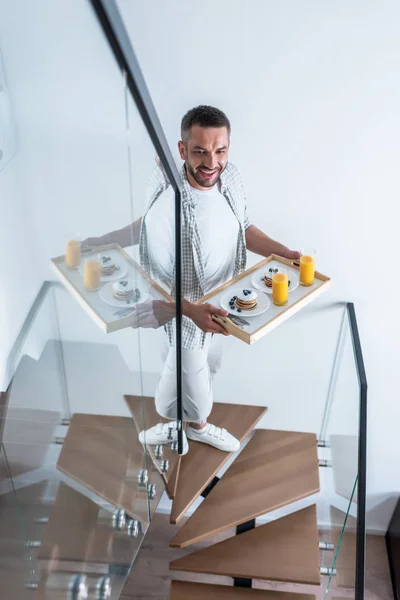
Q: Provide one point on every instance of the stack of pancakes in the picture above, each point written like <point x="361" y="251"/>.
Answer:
<point x="123" y="290"/>
<point x="268" y="281"/>
<point x="107" y="266"/>
<point x="247" y="300"/>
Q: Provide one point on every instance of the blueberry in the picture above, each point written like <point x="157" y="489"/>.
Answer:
<point x="271" y="270"/>
<point x="289" y="283"/>
<point x="235" y="297"/>
<point x="239" y="310"/>
<point x="262" y="278"/>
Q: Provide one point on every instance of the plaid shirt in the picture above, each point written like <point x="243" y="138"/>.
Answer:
<point x="193" y="284"/>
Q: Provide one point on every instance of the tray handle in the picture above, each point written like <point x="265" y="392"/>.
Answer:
<point x="225" y="322"/>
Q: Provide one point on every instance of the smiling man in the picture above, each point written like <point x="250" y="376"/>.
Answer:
<point x="216" y="234"/>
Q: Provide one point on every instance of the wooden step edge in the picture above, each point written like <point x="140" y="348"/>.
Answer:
<point x="176" y="518"/>
<point x="284" y="550"/>
<point x="235" y="523"/>
<point x="201" y="525"/>
<point x="185" y="590"/>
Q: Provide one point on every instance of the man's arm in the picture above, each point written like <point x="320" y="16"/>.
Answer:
<point x="127" y="236"/>
<point x="259" y="243"/>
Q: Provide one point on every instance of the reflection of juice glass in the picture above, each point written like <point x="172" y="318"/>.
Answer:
<point x="73" y="252"/>
<point x="280" y="287"/>
<point x="91" y="273"/>
<point x="307" y="266"/>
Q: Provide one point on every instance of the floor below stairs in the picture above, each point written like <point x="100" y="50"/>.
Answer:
<point x="150" y="576"/>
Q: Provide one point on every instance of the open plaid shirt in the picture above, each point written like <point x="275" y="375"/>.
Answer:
<point x="193" y="284"/>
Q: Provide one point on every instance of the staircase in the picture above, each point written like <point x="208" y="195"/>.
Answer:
<point x="272" y="470"/>
<point x="275" y="469"/>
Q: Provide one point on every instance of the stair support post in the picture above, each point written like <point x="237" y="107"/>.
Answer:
<point x="242" y="528"/>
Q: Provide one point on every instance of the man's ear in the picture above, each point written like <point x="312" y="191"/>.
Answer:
<point x="182" y="152"/>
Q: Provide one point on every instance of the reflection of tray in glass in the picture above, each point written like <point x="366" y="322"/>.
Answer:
<point x="106" y="316"/>
<point x="120" y="271"/>
<point x="263" y="304"/>
<point x="258" y="278"/>
<point x="260" y="325"/>
<point x="106" y="294"/>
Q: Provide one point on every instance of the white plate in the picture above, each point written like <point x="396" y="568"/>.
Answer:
<point x="263" y="303"/>
<point x="260" y="285"/>
<point x="106" y="294"/>
<point x="118" y="274"/>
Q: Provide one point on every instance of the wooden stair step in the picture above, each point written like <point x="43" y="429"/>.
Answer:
<point x="144" y="414"/>
<point x="203" y="462"/>
<point x="275" y="469"/>
<point x="104" y="454"/>
<point x="185" y="590"/>
<point x="282" y="550"/>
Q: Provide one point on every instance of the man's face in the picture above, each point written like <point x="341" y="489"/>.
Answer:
<point x="205" y="153"/>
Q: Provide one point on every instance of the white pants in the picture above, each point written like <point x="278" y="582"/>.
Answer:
<point x="198" y="370"/>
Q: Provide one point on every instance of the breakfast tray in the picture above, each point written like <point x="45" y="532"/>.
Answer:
<point x="103" y="314"/>
<point x="275" y="315"/>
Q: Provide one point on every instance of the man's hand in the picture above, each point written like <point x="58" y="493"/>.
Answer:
<point x="291" y="254"/>
<point x="91" y="242"/>
<point x="201" y="315"/>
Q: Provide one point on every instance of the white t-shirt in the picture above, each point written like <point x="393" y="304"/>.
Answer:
<point x="218" y="229"/>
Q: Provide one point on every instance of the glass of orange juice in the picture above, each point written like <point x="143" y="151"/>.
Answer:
<point x="73" y="251"/>
<point x="280" y="287"/>
<point x="91" y="273"/>
<point x="307" y="266"/>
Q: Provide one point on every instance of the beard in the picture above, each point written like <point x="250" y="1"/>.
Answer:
<point x="203" y="182"/>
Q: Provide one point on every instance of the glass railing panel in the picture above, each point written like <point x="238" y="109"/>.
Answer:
<point x="340" y="432"/>
<point x="37" y="399"/>
<point x="86" y="165"/>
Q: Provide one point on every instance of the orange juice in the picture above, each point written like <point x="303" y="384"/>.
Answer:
<point x="91" y="275"/>
<point x="73" y="254"/>
<point x="307" y="270"/>
<point x="280" y="289"/>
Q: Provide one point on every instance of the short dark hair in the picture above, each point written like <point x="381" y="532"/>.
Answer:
<point x="204" y="116"/>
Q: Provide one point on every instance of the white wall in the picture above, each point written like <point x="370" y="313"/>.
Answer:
<point x="313" y="94"/>
<point x="312" y="91"/>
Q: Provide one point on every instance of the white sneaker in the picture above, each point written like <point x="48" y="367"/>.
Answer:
<point x="159" y="434"/>
<point x="215" y="436"/>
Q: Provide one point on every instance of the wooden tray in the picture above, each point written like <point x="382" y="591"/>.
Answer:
<point x="100" y="312"/>
<point x="275" y="315"/>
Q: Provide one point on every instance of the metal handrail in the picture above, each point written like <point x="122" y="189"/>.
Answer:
<point x="362" y="456"/>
